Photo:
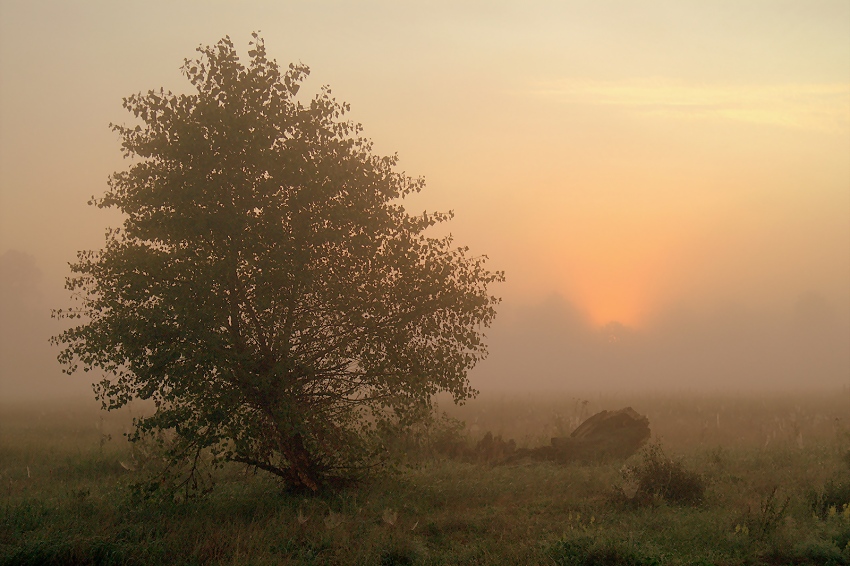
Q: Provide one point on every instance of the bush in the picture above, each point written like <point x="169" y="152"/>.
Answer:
<point x="761" y="523"/>
<point x="835" y="495"/>
<point x="657" y="476"/>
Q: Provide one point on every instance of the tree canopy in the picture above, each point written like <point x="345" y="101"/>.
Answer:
<point x="268" y="290"/>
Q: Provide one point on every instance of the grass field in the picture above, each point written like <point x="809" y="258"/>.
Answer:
<point x="776" y="473"/>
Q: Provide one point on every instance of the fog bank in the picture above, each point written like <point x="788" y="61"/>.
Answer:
<point x="549" y="345"/>
<point x="552" y="345"/>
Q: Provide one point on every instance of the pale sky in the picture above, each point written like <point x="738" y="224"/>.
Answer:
<point x="638" y="162"/>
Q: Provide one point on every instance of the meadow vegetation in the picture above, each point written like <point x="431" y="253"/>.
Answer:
<point x="729" y="480"/>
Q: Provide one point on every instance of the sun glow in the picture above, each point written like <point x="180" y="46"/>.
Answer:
<point x="614" y="302"/>
<point x="617" y="278"/>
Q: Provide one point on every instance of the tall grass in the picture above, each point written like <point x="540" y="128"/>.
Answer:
<point x="65" y="498"/>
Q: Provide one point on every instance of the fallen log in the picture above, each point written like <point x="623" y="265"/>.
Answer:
<point x="608" y="435"/>
<point x="605" y="435"/>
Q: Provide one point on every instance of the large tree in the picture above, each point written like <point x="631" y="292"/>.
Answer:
<point x="268" y="291"/>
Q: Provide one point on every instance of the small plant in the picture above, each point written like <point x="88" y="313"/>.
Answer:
<point x="766" y="520"/>
<point x="833" y="498"/>
<point x="657" y="476"/>
<point x="580" y="522"/>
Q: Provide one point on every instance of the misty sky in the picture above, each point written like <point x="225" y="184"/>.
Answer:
<point x="666" y="184"/>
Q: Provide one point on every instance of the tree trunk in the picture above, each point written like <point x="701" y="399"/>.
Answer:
<point x="303" y="471"/>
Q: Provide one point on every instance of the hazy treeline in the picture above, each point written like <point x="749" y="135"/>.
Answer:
<point x="552" y="345"/>
<point x="28" y="364"/>
<point x="542" y="346"/>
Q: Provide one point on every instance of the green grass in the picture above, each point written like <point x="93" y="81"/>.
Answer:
<point x="66" y="499"/>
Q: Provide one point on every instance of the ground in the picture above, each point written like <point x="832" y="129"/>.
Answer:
<point x="775" y="471"/>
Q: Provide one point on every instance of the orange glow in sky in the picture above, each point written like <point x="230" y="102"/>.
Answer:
<point x="630" y="157"/>
<point x="614" y="303"/>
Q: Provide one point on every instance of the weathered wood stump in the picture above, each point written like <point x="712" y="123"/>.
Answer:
<point x="605" y="435"/>
<point x="608" y="435"/>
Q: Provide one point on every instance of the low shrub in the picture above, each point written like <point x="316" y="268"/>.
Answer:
<point x="657" y="476"/>
<point x="834" y="497"/>
<point x="760" y="523"/>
